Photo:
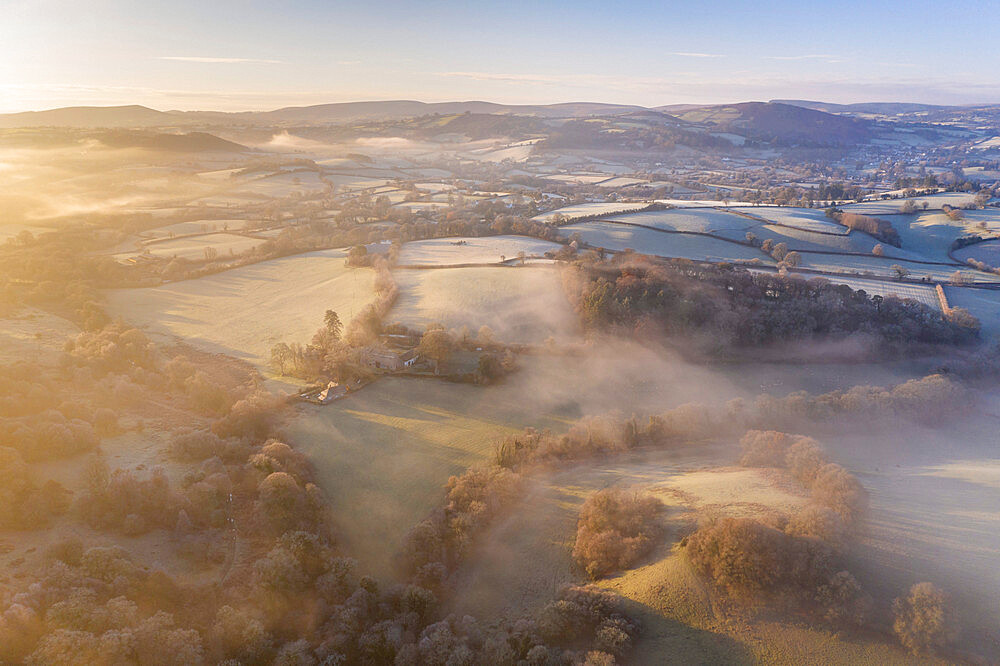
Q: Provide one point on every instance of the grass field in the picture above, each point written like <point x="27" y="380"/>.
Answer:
<point x="486" y="250"/>
<point x="583" y="210"/>
<point x="988" y="252"/>
<point x="245" y="311"/>
<point x="892" y="206"/>
<point x="882" y="266"/>
<point x="620" y="237"/>
<point x="702" y="220"/>
<point x="194" y="247"/>
<point x="520" y="304"/>
<point x="807" y="219"/>
<point x="194" y="227"/>
<point x="384" y="454"/>
<point x="984" y="304"/>
<point x="32" y="334"/>
<point x="922" y="293"/>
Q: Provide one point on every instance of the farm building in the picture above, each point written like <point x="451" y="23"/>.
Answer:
<point x="332" y="391"/>
<point x="389" y="359"/>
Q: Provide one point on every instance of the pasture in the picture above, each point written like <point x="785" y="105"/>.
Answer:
<point x="807" y="219"/>
<point x="618" y="237"/>
<point x="521" y="305"/>
<point x="893" y="206"/>
<point x="700" y="220"/>
<point x="587" y="209"/>
<point x="194" y="247"/>
<point x="485" y="250"/>
<point x="987" y="252"/>
<point x="243" y="312"/>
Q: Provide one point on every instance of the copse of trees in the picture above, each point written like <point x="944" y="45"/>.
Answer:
<point x="880" y="229"/>
<point x="24" y="503"/>
<point x="615" y="530"/>
<point x="721" y="306"/>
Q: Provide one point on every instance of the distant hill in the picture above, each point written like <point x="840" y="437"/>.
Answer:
<point x="877" y="108"/>
<point x="780" y="123"/>
<point x="89" y="116"/>
<point x="141" y="116"/>
<point x="195" y="142"/>
<point x="397" y="109"/>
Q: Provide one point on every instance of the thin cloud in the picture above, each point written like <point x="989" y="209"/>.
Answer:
<point x="809" y="56"/>
<point x="348" y="62"/>
<point x="214" y="60"/>
<point x="689" y="54"/>
<point x="489" y="76"/>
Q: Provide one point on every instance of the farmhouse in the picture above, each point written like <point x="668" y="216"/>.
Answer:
<point x="332" y="391"/>
<point x="389" y="359"/>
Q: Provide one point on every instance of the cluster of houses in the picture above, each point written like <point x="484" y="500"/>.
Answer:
<point x="379" y="357"/>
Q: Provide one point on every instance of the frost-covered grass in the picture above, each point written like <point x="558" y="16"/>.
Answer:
<point x="621" y="237"/>
<point x="523" y="305"/>
<point x="586" y="209"/>
<point x="892" y="206"/>
<point x="485" y="250"/>
<point x="807" y="219"/>
<point x="883" y="267"/>
<point x="922" y="293"/>
<point x="194" y="247"/>
<point x="987" y="252"/>
<point x="245" y="311"/>
<point x="700" y="220"/>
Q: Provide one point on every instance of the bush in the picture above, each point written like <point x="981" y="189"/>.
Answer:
<point x="924" y="620"/>
<point x="615" y="529"/>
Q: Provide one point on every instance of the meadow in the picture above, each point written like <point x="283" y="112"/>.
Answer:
<point x="484" y="250"/>
<point x="586" y="209"/>
<point x="521" y="304"/>
<point x="195" y="247"/>
<point x="620" y="237"/>
<point x="245" y="311"/>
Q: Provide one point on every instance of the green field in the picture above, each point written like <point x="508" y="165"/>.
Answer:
<point x="384" y="454"/>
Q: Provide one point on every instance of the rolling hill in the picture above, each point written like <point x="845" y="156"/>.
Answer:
<point x="89" y="116"/>
<point x="780" y="123"/>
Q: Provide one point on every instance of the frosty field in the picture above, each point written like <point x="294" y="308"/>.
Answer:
<point x="245" y="311"/>
<point x="619" y="237"/>
<point x="486" y="250"/>
<point x="523" y="304"/>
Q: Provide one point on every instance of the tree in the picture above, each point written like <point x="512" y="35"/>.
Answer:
<point x="878" y="250"/>
<point x="901" y="271"/>
<point x="436" y="345"/>
<point x="333" y="324"/>
<point x="923" y="621"/>
<point x="281" y="354"/>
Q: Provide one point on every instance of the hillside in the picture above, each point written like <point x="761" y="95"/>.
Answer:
<point x="780" y="123"/>
<point x="88" y="116"/>
<point x="195" y="142"/>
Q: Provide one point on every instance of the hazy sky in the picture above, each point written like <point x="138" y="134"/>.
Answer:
<point x="235" y="55"/>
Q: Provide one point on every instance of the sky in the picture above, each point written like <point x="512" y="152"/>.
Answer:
<point x="233" y="55"/>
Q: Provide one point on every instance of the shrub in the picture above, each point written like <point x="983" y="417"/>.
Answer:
<point x="923" y="621"/>
<point x="614" y="530"/>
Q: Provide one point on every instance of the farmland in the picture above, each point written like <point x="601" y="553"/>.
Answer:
<point x="244" y="311"/>
<point x="619" y="237"/>
<point x="521" y="305"/>
<point x="201" y="447"/>
<point x="489" y="250"/>
<point x="195" y="247"/>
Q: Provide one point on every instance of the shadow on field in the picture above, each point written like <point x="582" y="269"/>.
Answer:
<point x="665" y="640"/>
